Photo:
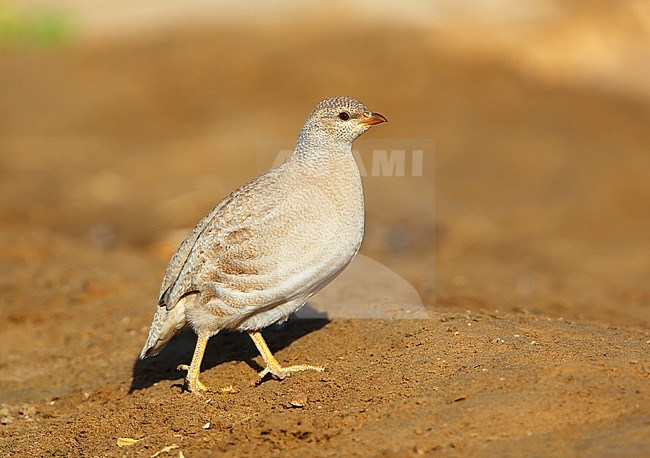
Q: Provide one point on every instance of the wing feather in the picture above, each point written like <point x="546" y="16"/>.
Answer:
<point x="226" y="225"/>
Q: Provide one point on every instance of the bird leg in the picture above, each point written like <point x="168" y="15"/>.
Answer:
<point x="272" y="365"/>
<point x="194" y="385"/>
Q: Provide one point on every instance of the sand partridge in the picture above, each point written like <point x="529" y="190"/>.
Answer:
<point x="271" y="244"/>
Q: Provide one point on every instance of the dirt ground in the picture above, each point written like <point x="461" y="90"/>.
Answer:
<point x="526" y="239"/>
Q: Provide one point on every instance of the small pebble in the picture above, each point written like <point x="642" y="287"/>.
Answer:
<point x="299" y="400"/>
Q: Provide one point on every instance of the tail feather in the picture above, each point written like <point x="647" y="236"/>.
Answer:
<point x="166" y="324"/>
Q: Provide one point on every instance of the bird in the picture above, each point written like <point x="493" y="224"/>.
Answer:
<point x="270" y="245"/>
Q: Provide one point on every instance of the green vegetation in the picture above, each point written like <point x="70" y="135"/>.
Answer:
<point x="45" y="28"/>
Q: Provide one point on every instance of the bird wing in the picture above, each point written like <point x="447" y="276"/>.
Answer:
<point x="225" y="225"/>
<point x="179" y="258"/>
<point x="262" y="245"/>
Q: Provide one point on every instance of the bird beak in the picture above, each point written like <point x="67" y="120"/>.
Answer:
<point x="370" y="119"/>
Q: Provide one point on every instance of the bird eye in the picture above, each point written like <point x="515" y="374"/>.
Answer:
<point x="344" y="115"/>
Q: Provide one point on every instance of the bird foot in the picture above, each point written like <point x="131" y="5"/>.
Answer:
<point x="194" y="385"/>
<point x="282" y="372"/>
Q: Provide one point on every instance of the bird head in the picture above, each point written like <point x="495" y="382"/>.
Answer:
<point x="340" y="120"/>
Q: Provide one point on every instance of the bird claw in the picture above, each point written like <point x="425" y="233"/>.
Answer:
<point x="193" y="384"/>
<point x="197" y="387"/>
<point x="281" y="373"/>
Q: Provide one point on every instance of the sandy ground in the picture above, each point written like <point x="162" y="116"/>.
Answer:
<point x="529" y="251"/>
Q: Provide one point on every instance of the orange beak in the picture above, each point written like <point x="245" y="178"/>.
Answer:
<point x="370" y="119"/>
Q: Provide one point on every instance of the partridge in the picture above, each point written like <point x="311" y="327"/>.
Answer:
<point x="265" y="249"/>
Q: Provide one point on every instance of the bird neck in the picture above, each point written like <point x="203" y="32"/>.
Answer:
<point x="313" y="145"/>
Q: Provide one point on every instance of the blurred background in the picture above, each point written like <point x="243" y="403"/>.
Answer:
<point x="122" y="123"/>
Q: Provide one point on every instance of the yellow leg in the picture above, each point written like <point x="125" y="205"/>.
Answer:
<point x="194" y="385"/>
<point x="272" y="365"/>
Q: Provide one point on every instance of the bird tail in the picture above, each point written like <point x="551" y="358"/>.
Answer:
<point x="166" y="324"/>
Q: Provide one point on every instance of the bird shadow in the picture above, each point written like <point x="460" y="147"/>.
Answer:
<point x="224" y="347"/>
